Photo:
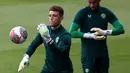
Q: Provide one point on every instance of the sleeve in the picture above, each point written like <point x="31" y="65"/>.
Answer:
<point x="63" y="44"/>
<point x="111" y="17"/>
<point x="77" y="22"/>
<point x="34" y="44"/>
<point x="79" y="18"/>
<point x="118" y="28"/>
<point x="74" y="31"/>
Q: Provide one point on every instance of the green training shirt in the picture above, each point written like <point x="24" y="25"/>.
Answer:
<point x="87" y="19"/>
<point x="57" y="55"/>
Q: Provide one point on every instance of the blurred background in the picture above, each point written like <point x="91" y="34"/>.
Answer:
<point x="30" y="13"/>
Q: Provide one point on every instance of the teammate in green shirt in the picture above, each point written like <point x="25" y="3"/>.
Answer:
<point x="93" y="23"/>
<point x="57" y="42"/>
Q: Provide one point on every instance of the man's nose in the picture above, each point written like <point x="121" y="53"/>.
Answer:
<point x="92" y="5"/>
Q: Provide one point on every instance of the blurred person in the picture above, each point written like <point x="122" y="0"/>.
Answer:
<point x="57" y="42"/>
<point x="92" y="21"/>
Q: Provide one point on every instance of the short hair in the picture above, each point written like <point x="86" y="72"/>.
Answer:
<point x="57" y="9"/>
<point x="95" y="0"/>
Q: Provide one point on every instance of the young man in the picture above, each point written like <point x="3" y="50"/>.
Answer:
<point x="57" y="42"/>
<point x="93" y="23"/>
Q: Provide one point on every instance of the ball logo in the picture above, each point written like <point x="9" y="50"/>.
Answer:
<point x="18" y="35"/>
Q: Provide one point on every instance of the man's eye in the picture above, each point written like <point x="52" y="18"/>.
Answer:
<point x="55" y="15"/>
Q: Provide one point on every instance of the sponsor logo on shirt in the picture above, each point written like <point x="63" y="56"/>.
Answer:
<point x="89" y="16"/>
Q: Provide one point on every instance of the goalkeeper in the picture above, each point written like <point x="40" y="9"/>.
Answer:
<point x="92" y="21"/>
<point x="57" y="42"/>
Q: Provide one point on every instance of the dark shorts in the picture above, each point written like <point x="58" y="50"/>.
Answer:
<point x="96" y="65"/>
<point x="45" y="70"/>
<point x="64" y="71"/>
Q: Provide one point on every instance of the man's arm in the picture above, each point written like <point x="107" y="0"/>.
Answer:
<point x="31" y="49"/>
<point x="74" y="31"/>
<point x="63" y="44"/>
<point x="118" y="29"/>
<point x="34" y="44"/>
<point x="76" y="34"/>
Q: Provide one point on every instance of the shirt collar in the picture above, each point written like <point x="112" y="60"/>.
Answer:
<point x="57" y="29"/>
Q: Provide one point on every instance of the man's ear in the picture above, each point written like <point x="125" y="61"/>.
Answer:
<point x="62" y="17"/>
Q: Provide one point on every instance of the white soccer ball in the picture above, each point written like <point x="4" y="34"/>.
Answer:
<point x="18" y="35"/>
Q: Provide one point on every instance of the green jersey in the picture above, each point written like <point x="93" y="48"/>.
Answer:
<point x="94" y="56"/>
<point x="87" y="19"/>
<point x="57" y="55"/>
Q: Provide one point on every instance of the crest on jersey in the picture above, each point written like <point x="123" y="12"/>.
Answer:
<point x="103" y="15"/>
<point x="57" y="39"/>
<point x="87" y="70"/>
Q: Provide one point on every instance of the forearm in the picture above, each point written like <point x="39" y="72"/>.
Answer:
<point x="76" y="34"/>
<point x="34" y="44"/>
<point x="30" y="50"/>
<point x="74" y="31"/>
<point x="55" y="48"/>
<point x="118" y="28"/>
<point x="63" y="43"/>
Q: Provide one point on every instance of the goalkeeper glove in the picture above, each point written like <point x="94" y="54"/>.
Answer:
<point x="99" y="31"/>
<point x="24" y="63"/>
<point x="93" y="36"/>
<point x="44" y="32"/>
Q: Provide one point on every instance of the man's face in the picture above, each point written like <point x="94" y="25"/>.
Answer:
<point x="94" y="4"/>
<point x="55" y="18"/>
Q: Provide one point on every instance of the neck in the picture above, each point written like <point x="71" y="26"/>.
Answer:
<point x="55" y="27"/>
<point x="94" y="10"/>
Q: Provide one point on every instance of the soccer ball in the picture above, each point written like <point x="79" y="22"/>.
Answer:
<point x="18" y="35"/>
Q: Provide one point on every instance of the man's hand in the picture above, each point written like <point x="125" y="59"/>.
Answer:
<point x="93" y="36"/>
<point x="99" y="37"/>
<point x="24" y="63"/>
<point x="43" y="30"/>
<point x="99" y="31"/>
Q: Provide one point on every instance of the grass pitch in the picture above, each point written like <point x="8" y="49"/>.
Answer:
<point x="29" y="13"/>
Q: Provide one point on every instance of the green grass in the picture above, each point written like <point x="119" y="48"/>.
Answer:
<point x="29" y="13"/>
<point x="119" y="58"/>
